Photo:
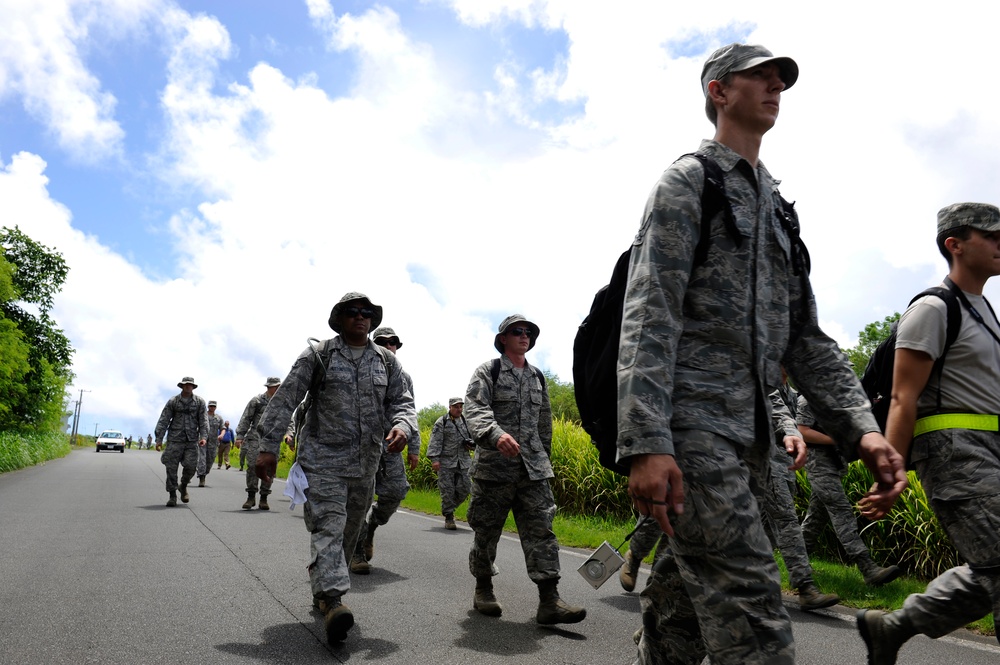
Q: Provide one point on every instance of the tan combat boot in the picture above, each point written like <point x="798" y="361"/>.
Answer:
<point x="876" y="575"/>
<point x="250" y="502"/>
<point x="360" y="567"/>
<point x="201" y="481"/>
<point x="172" y="501"/>
<point x="263" y="502"/>
<point x="339" y="619"/>
<point x="449" y="522"/>
<point x="185" y="497"/>
<point x="484" y="601"/>
<point x="884" y="634"/>
<point x="552" y="609"/>
<point x="369" y="544"/>
<point x="811" y="598"/>
<point x="629" y="571"/>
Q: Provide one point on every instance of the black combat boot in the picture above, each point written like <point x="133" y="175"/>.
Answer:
<point x="552" y="609"/>
<point x="172" y="501"/>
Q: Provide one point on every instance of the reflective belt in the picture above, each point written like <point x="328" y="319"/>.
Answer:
<point x="977" y="421"/>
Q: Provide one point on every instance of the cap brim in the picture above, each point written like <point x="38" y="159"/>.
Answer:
<point x="787" y="68"/>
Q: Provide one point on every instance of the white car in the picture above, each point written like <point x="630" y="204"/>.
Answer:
<point x="111" y="440"/>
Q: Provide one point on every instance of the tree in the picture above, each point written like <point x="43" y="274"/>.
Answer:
<point x="31" y="274"/>
<point x="562" y="397"/>
<point x="427" y="416"/>
<point x="868" y="339"/>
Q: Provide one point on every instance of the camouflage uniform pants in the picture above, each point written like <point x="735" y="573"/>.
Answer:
<point x="720" y="593"/>
<point x="828" y="501"/>
<point x="391" y="488"/>
<point x="454" y="485"/>
<point x="243" y="456"/>
<point x="645" y="538"/>
<point x="781" y="521"/>
<point x="252" y="449"/>
<point x="206" y="455"/>
<point x="333" y="515"/>
<point x="183" y="453"/>
<point x="960" y="471"/>
<point x="533" y="507"/>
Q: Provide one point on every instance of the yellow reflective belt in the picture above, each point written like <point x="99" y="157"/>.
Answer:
<point x="977" y="421"/>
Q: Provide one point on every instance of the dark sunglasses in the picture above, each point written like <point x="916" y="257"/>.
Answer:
<point x="517" y="332"/>
<point x="386" y="341"/>
<point x="366" y="312"/>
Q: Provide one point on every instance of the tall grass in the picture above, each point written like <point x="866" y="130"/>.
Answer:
<point x="19" y="450"/>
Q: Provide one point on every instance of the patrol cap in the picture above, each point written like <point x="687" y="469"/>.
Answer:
<point x="739" y="57"/>
<point x="455" y="400"/>
<point x="212" y="402"/>
<point x="348" y="297"/>
<point x="388" y="333"/>
<point x="507" y="323"/>
<point x="982" y="216"/>
<point x="187" y="379"/>
<point x="272" y="381"/>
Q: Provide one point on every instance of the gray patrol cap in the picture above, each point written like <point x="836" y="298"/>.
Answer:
<point x="348" y="297"/>
<point x="739" y="57"/>
<point x="212" y="402"/>
<point x="455" y="400"/>
<point x="982" y="216"/>
<point x="507" y="323"/>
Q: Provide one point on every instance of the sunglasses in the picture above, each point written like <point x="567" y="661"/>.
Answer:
<point x="517" y="332"/>
<point x="351" y="312"/>
<point x="384" y="341"/>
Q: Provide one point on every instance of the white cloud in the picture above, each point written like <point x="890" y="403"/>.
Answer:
<point x="453" y="204"/>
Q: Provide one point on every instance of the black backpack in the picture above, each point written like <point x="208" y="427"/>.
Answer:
<point x="877" y="377"/>
<point x="595" y="349"/>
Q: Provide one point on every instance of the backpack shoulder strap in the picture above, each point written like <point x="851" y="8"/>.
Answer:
<point x="953" y="308"/>
<point x="495" y="370"/>
<point x="713" y="201"/>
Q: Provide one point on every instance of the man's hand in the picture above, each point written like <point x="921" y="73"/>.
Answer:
<point x="889" y="470"/>
<point x="202" y="442"/>
<point x="414" y="460"/>
<point x="266" y="467"/>
<point x="396" y="440"/>
<point x="507" y="446"/>
<point x="436" y="466"/>
<point x="796" y="447"/>
<point x="158" y="446"/>
<point x="239" y="442"/>
<point x="656" y="485"/>
<point x="290" y="441"/>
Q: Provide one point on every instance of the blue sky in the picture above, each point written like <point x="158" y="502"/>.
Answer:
<point x="218" y="173"/>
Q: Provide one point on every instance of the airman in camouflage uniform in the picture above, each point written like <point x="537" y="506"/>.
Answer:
<point x="391" y="485"/>
<point x="511" y="422"/>
<point x="206" y="454"/>
<point x="826" y="468"/>
<point x="945" y="419"/>
<point x="448" y="451"/>
<point x="701" y="349"/>
<point x="248" y="439"/>
<point x="340" y="442"/>
<point x="184" y="421"/>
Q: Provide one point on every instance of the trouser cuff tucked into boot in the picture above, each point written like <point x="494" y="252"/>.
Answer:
<point x="552" y="609"/>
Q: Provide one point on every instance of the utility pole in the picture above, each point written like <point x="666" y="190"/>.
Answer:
<point x="76" y="417"/>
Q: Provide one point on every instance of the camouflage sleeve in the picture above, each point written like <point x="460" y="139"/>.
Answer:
<point x="291" y="392"/>
<point x="823" y="374"/>
<point x="203" y="421"/>
<point x="545" y="420"/>
<point x="781" y="417"/>
<point x="479" y="407"/>
<point x="246" y="419"/>
<point x="436" y="444"/>
<point x="400" y="410"/>
<point x="412" y="442"/>
<point x="653" y="319"/>
<point x="164" y="422"/>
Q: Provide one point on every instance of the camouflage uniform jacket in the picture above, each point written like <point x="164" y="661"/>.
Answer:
<point x="247" y="429"/>
<point x="214" y="426"/>
<point x="518" y="406"/>
<point x="412" y="442"/>
<point x="446" y="444"/>
<point x="183" y="420"/>
<point x="345" y="426"/>
<point x="701" y="344"/>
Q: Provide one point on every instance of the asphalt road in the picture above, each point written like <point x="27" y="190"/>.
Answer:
<point x="95" y="569"/>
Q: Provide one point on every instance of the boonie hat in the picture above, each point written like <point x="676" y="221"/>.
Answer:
<point x="348" y="297"/>
<point x="982" y="216"/>
<point x="739" y="57"/>
<point x="455" y="400"/>
<point x="186" y="379"/>
<point x="507" y="323"/>
<point x="272" y="381"/>
<point x="388" y="333"/>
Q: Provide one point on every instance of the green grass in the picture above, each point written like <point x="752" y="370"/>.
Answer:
<point x="19" y="450"/>
<point x="588" y="532"/>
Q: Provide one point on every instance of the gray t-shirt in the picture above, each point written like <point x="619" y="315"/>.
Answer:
<point x="970" y="381"/>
